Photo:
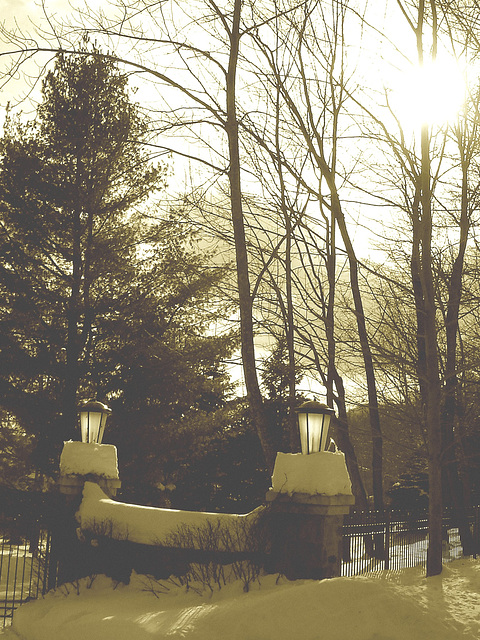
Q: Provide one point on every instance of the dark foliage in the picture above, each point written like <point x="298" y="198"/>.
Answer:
<point x="214" y="463"/>
<point x="101" y="295"/>
<point x="410" y="493"/>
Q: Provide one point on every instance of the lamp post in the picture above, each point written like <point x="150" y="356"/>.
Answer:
<point x="308" y="499"/>
<point x="93" y="417"/>
<point x="313" y="423"/>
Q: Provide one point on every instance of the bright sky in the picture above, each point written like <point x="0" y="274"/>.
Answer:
<point x="439" y="87"/>
<point x="432" y="94"/>
<point x="381" y="56"/>
<point x="380" y="61"/>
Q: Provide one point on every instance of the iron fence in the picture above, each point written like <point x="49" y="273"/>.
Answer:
<point x="389" y="540"/>
<point x="27" y="569"/>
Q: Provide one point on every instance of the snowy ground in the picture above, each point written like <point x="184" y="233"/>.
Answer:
<point x="390" y="606"/>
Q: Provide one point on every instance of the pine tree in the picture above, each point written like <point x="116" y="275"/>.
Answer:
<point x="101" y="296"/>
<point x="68" y="236"/>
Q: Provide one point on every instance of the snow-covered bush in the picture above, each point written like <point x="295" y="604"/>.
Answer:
<point x="220" y="553"/>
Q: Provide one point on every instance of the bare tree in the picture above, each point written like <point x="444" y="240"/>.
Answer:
<point x="304" y="80"/>
<point x="433" y="183"/>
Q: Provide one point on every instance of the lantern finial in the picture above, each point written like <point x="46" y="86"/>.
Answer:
<point x="313" y="422"/>
<point x="93" y="417"/>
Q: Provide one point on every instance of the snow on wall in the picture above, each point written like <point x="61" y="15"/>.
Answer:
<point x="85" y="458"/>
<point x="150" y="525"/>
<point x="322" y="473"/>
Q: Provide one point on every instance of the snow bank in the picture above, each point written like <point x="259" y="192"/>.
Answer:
<point x="147" y="525"/>
<point x="323" y="473"/>
<point x="402" y="606"/>
<point x="83" y="459"/>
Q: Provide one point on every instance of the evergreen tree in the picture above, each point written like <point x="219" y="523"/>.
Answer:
<point x="276" y="382"/>
<point x="161" y="365"/>
<point x="94" y="292"/>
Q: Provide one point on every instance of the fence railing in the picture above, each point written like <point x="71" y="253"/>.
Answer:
<point x="376" y="541"/>
<point x="25" y="567"/>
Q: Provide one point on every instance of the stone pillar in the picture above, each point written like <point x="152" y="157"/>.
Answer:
<point x="307" y="502"/>
<point x="80" y="462"/>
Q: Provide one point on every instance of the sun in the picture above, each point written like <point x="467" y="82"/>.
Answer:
<point x="432" y="93"/>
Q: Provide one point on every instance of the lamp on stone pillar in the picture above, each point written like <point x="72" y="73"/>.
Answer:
<point x="313" y="423"/>
<point x="93" y="417"/>
<point x="310" y="494"/>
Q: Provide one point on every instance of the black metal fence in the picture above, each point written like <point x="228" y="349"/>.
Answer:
<point x="376" y="541"/>
<point x="27" y="566"/>
<point x="27" y="569"/>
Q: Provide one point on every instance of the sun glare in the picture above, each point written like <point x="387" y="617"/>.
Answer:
<point x="430" y="94"/>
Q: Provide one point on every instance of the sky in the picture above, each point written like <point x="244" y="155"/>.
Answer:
<point x="366" y="47"/>
<point x="375" y="60"/>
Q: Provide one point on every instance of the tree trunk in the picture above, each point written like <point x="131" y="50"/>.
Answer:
<point x="451" y="467"/>
<point x="346" y="446"/>
<point x="245" y="298"/>
<point x="374" y="415"/>
<point x="72" y="375"/>
<point x="432" y="386"/>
